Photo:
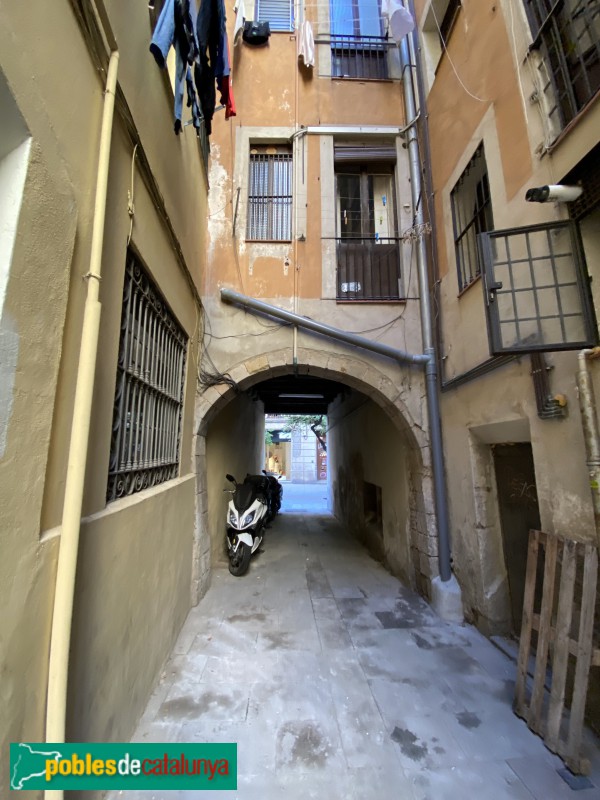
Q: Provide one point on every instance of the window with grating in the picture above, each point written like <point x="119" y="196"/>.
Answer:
<point x="471" y="215"/>
<point x="537" y="289"/>
<point x="567" y="34"/>
<point x="270" y="194"/>
<point x="150" y="389"/>
<point x="278" y="13"/>
<point x="358" y="45"/>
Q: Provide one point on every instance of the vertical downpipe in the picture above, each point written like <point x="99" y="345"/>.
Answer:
<point x="60" y="637"/>
<point x="433" y="406"/>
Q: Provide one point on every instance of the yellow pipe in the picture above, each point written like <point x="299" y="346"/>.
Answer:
<point x="60" y="639"/>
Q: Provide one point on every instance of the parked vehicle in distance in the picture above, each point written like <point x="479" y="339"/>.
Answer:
<point x="275" y="494"/>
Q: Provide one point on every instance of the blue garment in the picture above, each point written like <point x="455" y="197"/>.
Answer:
<point x="166" y="35"/>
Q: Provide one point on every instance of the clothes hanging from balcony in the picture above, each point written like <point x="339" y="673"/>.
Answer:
<point x="225" y="84"/>
<point x="240" y="17"/>
<point x="214" y="61"/>
<point x="399" y="20"/>
<point x="175" y="29"/>
<point x="306" y="44"/>
<point x="199" y="40"/>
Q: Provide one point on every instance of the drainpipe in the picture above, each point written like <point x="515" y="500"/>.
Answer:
<point x="60" y="638"/>
<point x="426" y="360"/>
<point x="589" y="421"/>
<point x="235" y="298"/>
<point x="433" y="405"/>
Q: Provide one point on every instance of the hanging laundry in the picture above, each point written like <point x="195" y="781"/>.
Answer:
<point x="399" y="20"/>
<point x="225" y="84"/>
<point x="240" y="17"/>
<point x="175" y="29"/>
<point x="213" y="60"/>
<point x="204" y="78"/>
<point x="306" y="44"/>
<point x="184" y="31"/>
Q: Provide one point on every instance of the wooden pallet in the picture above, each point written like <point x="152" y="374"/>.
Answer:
<point x="559" y="635"/>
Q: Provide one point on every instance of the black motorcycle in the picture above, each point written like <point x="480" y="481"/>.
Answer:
<point x="275" y="495"/>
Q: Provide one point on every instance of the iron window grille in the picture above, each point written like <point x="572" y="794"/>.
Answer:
<point x="471" y="215"/>
<point x="537" y="289"/>
<point x="358" y="44"/>
<point x="149" y="392"/>
<point x="567" y="34"/>
<point x="270" y="194"/>
<point x="278" y="13"/>
<point x="362" y="57"/>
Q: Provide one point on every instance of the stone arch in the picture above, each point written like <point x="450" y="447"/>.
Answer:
<point x="405" y="407"/>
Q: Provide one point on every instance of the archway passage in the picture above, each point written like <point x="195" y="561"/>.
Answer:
<point x="296" y="447"/>
<point x="379" y="483"/>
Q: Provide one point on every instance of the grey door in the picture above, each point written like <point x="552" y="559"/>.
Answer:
<point x="519" y="512"/>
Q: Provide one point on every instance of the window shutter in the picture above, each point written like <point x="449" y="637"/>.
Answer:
<point x="278" y="13"/>
<point x="365" y="152"/>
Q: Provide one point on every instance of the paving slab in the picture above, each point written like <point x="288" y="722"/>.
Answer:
<point x="338" y="682"/>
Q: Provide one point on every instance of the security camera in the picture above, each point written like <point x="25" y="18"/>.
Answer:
<point x="555" y="192"/>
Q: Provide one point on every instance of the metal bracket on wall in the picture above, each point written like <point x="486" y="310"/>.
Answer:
<point x="549" y="406"/>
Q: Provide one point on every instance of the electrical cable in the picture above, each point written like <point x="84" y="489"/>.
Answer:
<point x="474" y="96"/>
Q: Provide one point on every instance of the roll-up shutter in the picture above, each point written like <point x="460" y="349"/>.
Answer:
<point x="365" y="152"/>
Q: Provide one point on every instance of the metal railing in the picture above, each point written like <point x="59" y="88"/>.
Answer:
<point x="359" y="57"/>
<point x="368" y="269"/>
<point x="566" y="33"/>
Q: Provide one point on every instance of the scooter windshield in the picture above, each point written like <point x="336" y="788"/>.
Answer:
<point x="243" y="496"/>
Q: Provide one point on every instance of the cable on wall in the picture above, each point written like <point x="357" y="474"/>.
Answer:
<point x="458" y="78"/>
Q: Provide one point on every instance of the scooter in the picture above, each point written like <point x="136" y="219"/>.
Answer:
<point x="274" y="496"/>
<point x="247" y="513"/>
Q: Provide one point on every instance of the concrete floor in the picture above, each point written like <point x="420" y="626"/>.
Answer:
<point x="308" y="498"/>
<point x="338" y="683"/>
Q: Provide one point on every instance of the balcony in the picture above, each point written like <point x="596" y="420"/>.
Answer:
<point x="362" y="57"/>
<point x="368" y="269"/>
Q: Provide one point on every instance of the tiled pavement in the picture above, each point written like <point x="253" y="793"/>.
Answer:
<point x="338" y="683"/>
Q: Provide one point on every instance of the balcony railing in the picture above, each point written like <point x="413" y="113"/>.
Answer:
<point x="368" y="269"/>
<point x="359" y="57"/>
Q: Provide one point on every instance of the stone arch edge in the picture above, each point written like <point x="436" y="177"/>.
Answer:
<point x="358" y="374"/>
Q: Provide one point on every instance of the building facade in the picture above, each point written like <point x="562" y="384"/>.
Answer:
<point x="311" y="212"/>
<point x="134" y="565"/>
<point x="515" y="280"/>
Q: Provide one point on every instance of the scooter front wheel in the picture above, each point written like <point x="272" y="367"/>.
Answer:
<point x="240" y="560"/>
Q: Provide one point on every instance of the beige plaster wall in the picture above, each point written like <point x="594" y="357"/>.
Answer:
<point x="132" y="597"/>
<point x="235" y="444"/>
<point x="43" y="314"/>
<point x="364" y="445"/>
<point x="488" y="46"/>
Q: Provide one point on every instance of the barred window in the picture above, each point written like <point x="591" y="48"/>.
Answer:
<point x="150" y="389"/>
<point x="278" y="13"/>
<point x="270" y="194"/>
<point x="471" y="215"/>
<point x="358" y="44"/>
<point x="567" y="34"/>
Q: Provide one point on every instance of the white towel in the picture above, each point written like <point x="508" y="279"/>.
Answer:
<point x="306" y="44"/>
<point x="399" y="20"/>
<point x="239" y="21"/>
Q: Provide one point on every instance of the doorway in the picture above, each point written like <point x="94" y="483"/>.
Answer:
<point x="519" y="513"/>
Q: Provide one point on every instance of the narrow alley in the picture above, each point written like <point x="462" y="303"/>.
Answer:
<point x="337" y="682"/>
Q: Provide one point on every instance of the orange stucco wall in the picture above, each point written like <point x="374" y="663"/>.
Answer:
<point x="481" y="53"/>
<point x="274" y="90"/>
